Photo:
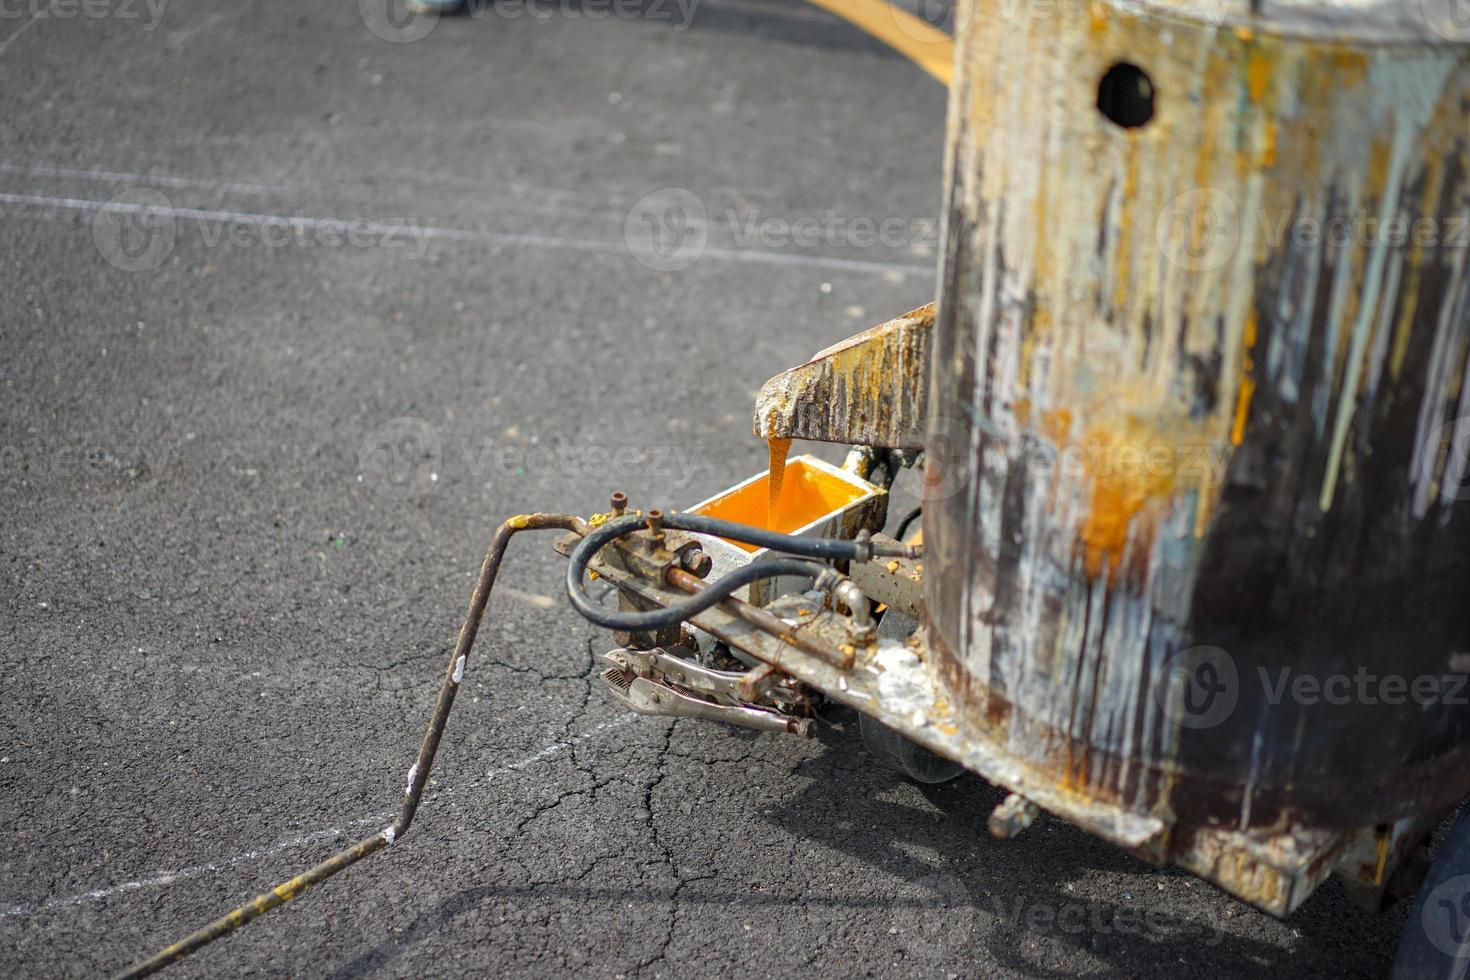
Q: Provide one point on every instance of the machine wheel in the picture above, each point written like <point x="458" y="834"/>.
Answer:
<point x="898" y="753"/>
<point x="1436" y="942"/>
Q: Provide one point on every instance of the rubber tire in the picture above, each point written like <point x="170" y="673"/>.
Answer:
<point x="1421" y="957"/>
<point x="896" y="752"/>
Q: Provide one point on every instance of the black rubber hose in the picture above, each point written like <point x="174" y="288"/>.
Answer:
<point x="825" y="549"/>
<point x="830" y="549"/>
<point x="720" y="589"/>
<point x="908" y="519"/>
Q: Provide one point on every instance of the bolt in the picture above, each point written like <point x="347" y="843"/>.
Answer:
<point x="619" y="503"/>
<point x="656" y="525"/>
<point x="1012" y="816"/>
<point x="697" y="563"/>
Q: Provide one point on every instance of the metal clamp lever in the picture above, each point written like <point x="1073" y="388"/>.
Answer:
<point x="649" y="697"/>
<point x="660" y="665"/>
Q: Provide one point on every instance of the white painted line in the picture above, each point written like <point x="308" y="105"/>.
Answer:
<point x="183" y="874"/>
<point x="30" y="22"/>
<point x="457" y="234"/>
<point x="145" y="180"/>
<point x="164" y="878"/>
<point x="530" y="598"/>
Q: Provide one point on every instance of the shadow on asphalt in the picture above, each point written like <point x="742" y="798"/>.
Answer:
<point x="994" y="883"/>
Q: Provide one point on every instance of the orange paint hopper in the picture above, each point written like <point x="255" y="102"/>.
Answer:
<point x="818" y="499"/>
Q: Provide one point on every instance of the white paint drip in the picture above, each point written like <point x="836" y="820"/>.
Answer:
<point x="165" y="878"/>
<point x="458" y="674"/>
<point x="389" y="835"/>
<point x="1415" y="89"/>
<point x="413" y="771"/>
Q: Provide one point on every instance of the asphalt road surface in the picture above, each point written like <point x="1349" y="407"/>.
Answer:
<point x="291" y="316"/>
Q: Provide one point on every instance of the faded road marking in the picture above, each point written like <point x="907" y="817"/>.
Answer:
<point x="462" y="235"/>
<point x="530" y="598"/>
<point x="143" y="180"/>
<point x="164" y="878"/>
<point x="18" y="32"/>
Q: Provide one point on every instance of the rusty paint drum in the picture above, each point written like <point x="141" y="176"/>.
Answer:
<point x="1197" y="514"/>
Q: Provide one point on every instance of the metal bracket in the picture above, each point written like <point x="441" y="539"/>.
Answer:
<point x="649" y="682"/>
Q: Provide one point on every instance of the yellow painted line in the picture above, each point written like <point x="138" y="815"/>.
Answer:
<point x="926" y="46"/>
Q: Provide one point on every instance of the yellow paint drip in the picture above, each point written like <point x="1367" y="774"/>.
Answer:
<point x="808" y="495"/>
<point x="1242" y="407"/>
<point x="777" y="451"/>
<point x="1247" y="388"/>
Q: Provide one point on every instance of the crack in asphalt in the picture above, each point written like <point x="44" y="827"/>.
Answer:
<point x="659" y="774"/>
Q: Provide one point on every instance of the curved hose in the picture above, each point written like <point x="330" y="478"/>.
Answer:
<point x="829" y="549"/>
<point x="907" y="522"/>
<point x="673" y="615"/>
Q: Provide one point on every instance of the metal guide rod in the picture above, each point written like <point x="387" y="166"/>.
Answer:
<point x="418" y="775"/>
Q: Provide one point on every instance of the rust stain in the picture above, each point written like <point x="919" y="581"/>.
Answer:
<point x="1119" y="492"/>
<point x="1126" y="463"/>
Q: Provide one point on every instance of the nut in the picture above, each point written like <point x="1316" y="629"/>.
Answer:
<point x="697" y="562"/>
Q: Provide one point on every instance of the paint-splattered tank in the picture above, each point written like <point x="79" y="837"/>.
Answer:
<point x="1198" y="516"/>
